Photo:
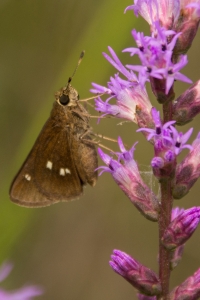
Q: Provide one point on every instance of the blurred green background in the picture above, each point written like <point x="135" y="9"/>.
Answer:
<point x="66" y="247"/>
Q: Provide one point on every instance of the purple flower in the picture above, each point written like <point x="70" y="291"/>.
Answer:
<point x="168" y="142"/>
<point x="127" y="176"/>
<point x="165" y="11"/>
<point x="155" y="48"/>
<point x="141" y="42"/>
<point x="181" y="228"/>
<point x="179" y="140"/>
<point x="25" y="293"/>
<point x="127" y="99"/>
<point x="114" y="60"/>
<point x="142" y="278"/>
<point x="164" y="161"/>
<point x="189" y="289"/>
<point x="171" y="72"/>
<point x="155" y="54"/>
<point x="160" y="132"/>
<point x="129" y="94"/>
<point x="157" y="162"/>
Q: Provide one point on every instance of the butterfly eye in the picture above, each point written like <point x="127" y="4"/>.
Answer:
<point x="64" y="99"/>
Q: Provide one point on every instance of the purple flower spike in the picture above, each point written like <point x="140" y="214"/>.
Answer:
<point x="128" y="178"/>
<point x="142" y="278"/>
<point x="25" y="293"/>
<point x="188" y="171"/>
<point x="181" y="228"/>
<point x="189" y="289"/>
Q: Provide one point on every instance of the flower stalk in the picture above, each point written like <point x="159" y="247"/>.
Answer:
<point x="164" y="221"/>
<point x="166" y="204"/>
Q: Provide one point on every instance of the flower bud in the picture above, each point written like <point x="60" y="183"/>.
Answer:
<point x="187" y="105"/>
<point x="181" y="228"/>
<point x="176" y="256"/>
<point x="141" y="277"/>
<point x="187" y="24"/>
<point x="188" y="171"/>
<point x="177" y="253"/>
<point x="128" y="178"/>
<point x="189" y="289"/>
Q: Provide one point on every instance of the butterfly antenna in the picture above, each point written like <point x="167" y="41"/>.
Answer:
<point x="79" y="61"/>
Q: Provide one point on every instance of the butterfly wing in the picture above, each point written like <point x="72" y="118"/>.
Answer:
<point x="49" y="174"/>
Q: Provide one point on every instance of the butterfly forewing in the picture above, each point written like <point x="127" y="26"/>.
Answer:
<point x="23" y="190"/>
<point x="55" y="171"/>
<point x="49" y="174"/>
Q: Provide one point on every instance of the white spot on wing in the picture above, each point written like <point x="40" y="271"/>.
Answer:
<point x="62" y="171"/>
<point x="28" y="177"/>
<point x="67" y="171"/>
<point x="49" y="165"/>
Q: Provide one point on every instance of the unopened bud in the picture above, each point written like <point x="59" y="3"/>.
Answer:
<point x="187" y="24"/>
<point x="127" y="175"/>
<point x="189" y="289"/>
<point x="188" y="171"/>
<point x="177" y="253"/>
<point x="187" y="105"/>
<point x="181" y="228"/>
<point x="141" y="277"/>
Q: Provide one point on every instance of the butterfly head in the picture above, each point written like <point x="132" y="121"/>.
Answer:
<point x="67" y="96"/>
